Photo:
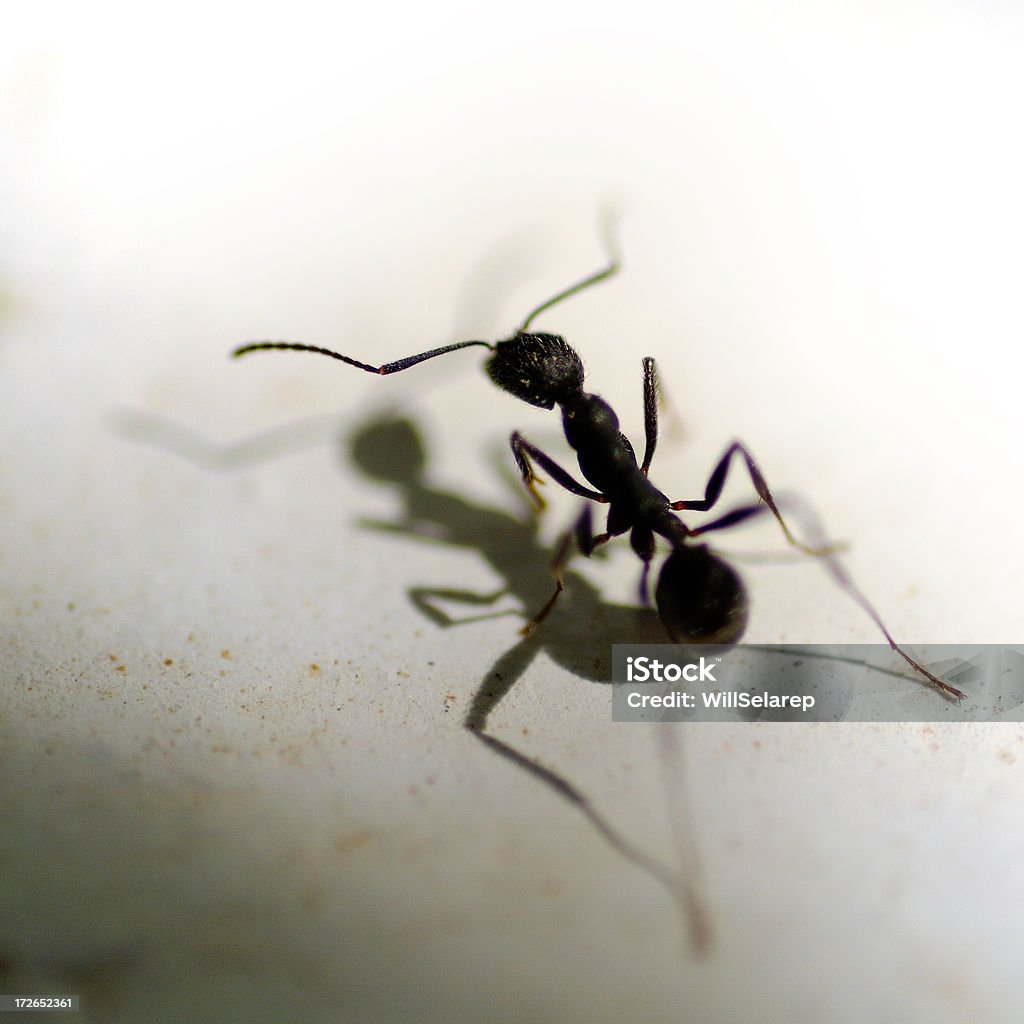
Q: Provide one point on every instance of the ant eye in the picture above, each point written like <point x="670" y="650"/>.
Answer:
<point x="701" y="599"/>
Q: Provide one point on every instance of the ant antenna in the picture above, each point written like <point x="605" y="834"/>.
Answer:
<point x="400" y="364"/>
<point x="614" y="266"/>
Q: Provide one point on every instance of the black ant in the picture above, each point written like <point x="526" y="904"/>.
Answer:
<point x="700" y="598"/>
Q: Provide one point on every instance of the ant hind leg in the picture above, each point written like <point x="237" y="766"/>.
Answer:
<point x="827" y="553"/>
<point x="713" y="491"/>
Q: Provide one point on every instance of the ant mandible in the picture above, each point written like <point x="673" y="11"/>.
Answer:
<point x="700" y="598"/>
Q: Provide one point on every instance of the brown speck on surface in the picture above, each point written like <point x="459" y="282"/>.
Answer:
<point x="71" y="606"/>
<point x="1007" y="757"/>
<point x="112" y="657"/>
<point x="168" y="661"/>
<point x="312" y="899"/>
<point x="226" y="654"/>
<point x="314" y="668"/>
<point x="551" y="887"/>
<point x="122" y="668"/>
<point x="346" y="844"/>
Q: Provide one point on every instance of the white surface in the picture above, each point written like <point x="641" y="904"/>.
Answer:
<point x="822" y="237"/>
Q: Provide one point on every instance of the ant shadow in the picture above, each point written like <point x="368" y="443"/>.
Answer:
<point x="577" y="635"/>
<point x="581" y="628"/>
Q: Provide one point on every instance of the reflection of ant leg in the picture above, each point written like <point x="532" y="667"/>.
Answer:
<point x="423" y="599"/>
<point x="713" y="491"/>
<point x="682" y="886"/>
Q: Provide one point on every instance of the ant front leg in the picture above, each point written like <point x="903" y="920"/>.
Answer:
<point x="650" y="413"/>
<point x="713" y="491"/>
<point x="523" y="451"/>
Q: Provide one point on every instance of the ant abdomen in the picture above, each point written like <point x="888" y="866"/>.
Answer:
<point x="701" y="599"/>
<point x="538" y="368"/>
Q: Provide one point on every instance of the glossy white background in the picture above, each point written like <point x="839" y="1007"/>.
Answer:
<point x="821" y="223"/>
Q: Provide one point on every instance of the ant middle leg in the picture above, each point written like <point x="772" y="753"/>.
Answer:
<point x="587" y="542"/>
<point x="713" y="491"/>
<point x="584" y="530"/>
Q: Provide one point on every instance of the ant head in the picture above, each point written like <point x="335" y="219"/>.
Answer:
<point x="538" y="368"/>
<point x="701" y="599"/>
